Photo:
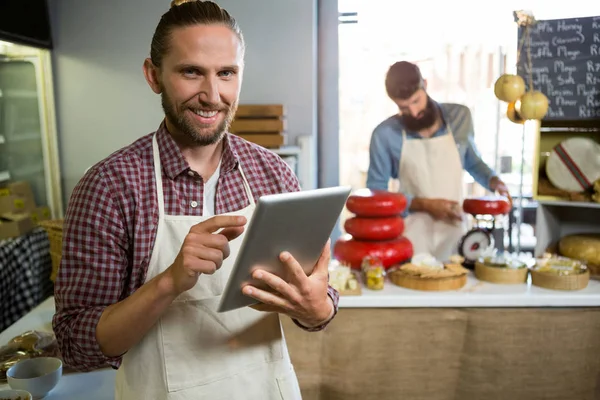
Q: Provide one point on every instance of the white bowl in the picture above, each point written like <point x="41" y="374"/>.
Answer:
<point x="38" y="376"/>
<point x="15" y="395"/>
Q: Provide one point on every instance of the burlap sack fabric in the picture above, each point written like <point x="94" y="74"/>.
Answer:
<point x="451" y="354"/>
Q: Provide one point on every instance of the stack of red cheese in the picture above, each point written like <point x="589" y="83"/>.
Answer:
<point x="375" y="229"/>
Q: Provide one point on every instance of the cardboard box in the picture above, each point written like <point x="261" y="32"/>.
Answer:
<point x="15" y="224"/>
<point x="16" y="197"/>
<point x="41" y="213"/>
<point x="18" y="188"/>
<point x="12" y="204"/>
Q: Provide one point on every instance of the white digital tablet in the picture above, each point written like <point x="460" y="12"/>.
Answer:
<point x="297" y="222"/>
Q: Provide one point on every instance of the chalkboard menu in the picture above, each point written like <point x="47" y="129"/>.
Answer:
<point x="565" y="58"/>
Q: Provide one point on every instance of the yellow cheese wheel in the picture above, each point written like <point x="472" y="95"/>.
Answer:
<point x="583" y="247"/>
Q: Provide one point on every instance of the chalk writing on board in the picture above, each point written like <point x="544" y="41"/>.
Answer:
<point x="565" y="66"/>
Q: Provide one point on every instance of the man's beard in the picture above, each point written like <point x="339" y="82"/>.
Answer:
<point x="426" y="120"/>
<point x="184" y="123"/>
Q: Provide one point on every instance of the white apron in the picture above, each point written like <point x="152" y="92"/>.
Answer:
<point x="431" y="168"/>
<point x="193" y="352"/>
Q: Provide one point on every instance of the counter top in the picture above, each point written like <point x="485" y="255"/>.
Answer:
<point x="99" y="384"/>
<point x="475" y="294"/>
<point x="95" y="385"/>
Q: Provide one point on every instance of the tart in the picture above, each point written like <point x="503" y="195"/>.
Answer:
<point x="429" y="275"/>
<point x="560" y="273"/>
<point x="498" y="269"/>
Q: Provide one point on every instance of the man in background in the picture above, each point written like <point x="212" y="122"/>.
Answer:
<point x="426" y="146"/>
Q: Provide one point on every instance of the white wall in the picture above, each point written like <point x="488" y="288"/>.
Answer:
<point x="103" y="101"/>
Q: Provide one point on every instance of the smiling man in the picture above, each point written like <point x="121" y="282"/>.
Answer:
<point x="152" y="231"/>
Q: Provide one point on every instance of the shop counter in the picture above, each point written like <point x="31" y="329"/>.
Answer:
<point x="484" y="341"/>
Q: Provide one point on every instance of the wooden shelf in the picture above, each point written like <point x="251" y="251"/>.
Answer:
<point x="546" y="138"/>
<point x="554" y="220"/>
<point x="556" y="216"/>
<point x="287" y="151"/>
<point x="559" y="203"/>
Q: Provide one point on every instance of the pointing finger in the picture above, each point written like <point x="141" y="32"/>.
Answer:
<point x="213" y="224"/>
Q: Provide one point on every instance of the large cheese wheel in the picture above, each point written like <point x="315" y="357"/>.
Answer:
<point x="487" y="205"/>
<point x="384" y="228"/>
<point x="350" y="251"/>
<point x="376" y="203"/>
<point x="583" y="247"/>
<point x="574" y="164"/>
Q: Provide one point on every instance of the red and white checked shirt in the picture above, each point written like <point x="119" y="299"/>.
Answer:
<point x="111" y="222"/>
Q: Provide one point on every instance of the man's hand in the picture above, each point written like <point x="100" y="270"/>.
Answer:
<point x="304" y="298"/>
<point x="443" y="210"/>
<point x="496" y="185"/>
<point x="202" y="251"/>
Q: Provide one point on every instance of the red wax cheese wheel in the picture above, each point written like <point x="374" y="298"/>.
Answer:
<point x="384" y="228"/>
<point x="348" y="250"/>
<point x="376" y="203"/>
<point x="487" y="205"/>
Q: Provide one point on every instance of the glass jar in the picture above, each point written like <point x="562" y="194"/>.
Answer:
<point x="373" y="272"/>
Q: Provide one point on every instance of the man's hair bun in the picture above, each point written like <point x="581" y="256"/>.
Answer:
<point x="175" y="3"/>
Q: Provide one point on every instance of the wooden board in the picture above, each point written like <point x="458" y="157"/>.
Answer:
<point x="258" y="125"/>
<point x="260" y="111"/>
<point x="268" y="140"/>
<point x="426" y="284"/>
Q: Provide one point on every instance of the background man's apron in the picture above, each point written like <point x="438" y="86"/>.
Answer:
<point x="193" y="352"/>
<point x="431" y="168"/>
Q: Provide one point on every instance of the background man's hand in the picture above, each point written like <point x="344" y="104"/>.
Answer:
<point x="496" y="185"/>
<point x="444" y="210"/>
<point x="304" y="298"/>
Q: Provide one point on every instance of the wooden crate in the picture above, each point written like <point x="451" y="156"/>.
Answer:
<point x="263" y="124"/>
<point x="547" y="136"/>
<point x="55" y="233"/>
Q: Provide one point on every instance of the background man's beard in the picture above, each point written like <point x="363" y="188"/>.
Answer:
<point x="426" y="121"/>
<point x="186" y="127"/>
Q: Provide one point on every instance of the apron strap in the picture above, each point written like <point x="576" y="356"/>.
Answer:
<point x="247" y="187"/>
<point x="158" y="177"/>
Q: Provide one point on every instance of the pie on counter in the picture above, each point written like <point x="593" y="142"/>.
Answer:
<point x="426" y="273"/>
<point x="560" y="273"/>
<point x="500" y="269"/>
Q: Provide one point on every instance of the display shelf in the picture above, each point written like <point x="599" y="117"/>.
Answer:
<point x="557" y="216"/>
<point x="562" y="203"/>
<point x="546" y="138"/>
<point x="475" y="294"/>
<point x="558" y="219"/>
<point x="287" y="151"/>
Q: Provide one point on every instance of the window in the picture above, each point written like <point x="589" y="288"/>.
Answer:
<point x="461" y="48"/>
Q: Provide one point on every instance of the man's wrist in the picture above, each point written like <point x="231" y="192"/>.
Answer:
<point x="320" y="321"/>
<point x="165" y="285"/>
<point x="493" y="183"/>
<point x="419" y="204"/>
